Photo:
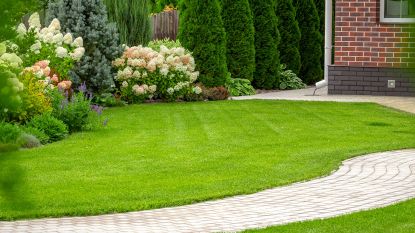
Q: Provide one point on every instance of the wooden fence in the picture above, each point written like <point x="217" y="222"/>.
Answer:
<point x="165" y="25"/>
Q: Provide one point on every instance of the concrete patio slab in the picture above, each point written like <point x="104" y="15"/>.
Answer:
<point x="406" y="104"/>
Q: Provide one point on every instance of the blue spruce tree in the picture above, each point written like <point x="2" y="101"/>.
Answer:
<point x="88" y="19"/>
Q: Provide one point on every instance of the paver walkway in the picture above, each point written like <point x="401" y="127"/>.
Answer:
<point x="361" y="183"/>
<point x="402" y="103"/>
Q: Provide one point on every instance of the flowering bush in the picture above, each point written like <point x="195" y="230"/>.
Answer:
<point x="44" y="73"/>
<point x="35" y="44"/>
<point x="144" y="73"/>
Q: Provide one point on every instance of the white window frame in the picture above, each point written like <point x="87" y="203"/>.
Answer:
<point x="383" y="19"/>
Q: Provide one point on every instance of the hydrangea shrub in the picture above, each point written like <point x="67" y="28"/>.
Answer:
<point x="144" y="73"/>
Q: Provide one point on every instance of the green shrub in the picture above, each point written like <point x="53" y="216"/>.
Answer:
<point x="240" y="87"/>
<point x="240" y="48"/>
<point x="202" y="32"/>
<point x="28" y="141"/>
<point x="132" y="18"/>
<point x="311" y="41"/>
<point x="266" y="44"/>
<point x="9" y="133"/>
<point x="40" y="135"/>
<point x="290" y="35"/>
<point x="289" y="80"/>
<point x="73" y="111"/>
<point x="54" y="128"/>
<point x="88" y="19"/>
<point x="108" y="100"/>
<point x="11" y="88"/>
<point x="156" y="44"/>
<point x="34" y="99"/>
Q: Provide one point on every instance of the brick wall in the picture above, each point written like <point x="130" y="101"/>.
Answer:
<point x="361" y="40"/>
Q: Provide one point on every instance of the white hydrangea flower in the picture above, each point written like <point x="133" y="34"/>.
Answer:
<point x="48" y="38"/>
<point x="125" y="84"/>
<point x="34" y="21"/>
<point x="164" y="71"/>
<point x="78" y="53"/>
<point x="36" y="47"/>
<point x="170" y="91"/>
<point x="58" y="39"/>
<point x="55" y="25"/>
<point x="152" y="88"/>
<point x="68" y="39"/>
<point x="137" y="74"/>
<point x="78" y="42"/>
<point x="12" y="59"/>
<point x="21" y="30"/>
<point x="197" y="90"/>
<point x="61" y="52"/>
<point x="17" y="84"/>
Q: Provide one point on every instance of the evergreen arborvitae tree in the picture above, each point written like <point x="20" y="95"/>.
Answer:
<point x="266" y="44"/>
<point x="290" y="35"/>
<point x="88" y="19"/>
<point x="132" y="19"/>
<point x="240" y="32"/>
<point x="320" y="5"/>
<point x="310" y="43"/>
<point x="202" y="32"/>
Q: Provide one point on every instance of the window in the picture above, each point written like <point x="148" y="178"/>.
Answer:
<point x="397" y="11"/>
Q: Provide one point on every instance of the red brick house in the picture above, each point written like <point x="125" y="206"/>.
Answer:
<point x="374" y="48"/>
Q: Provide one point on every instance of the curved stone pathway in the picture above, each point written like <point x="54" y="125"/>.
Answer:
<point x="362" y="183"/>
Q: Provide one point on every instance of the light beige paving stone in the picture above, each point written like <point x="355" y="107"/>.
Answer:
<point x="362" y="183"/>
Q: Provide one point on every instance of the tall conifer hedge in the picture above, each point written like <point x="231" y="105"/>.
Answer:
<point x="311" y="41"/>
<point x="239" y="26"/>
<point x="290" y="35"/>
<point x="266" y="44"/>
<point x="202" y="32"/>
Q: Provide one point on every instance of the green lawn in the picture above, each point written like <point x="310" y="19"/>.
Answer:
<point x="158" y="155"/>
<point x="394" y="219"/>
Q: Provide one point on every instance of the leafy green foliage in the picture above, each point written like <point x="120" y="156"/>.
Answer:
<point x="9" y="136"/>
<point x="73" y="110"/>
<point x="11" y="12"/>
<point x="202" y="32"/>
<point x="88" y="19"/>
<point x="156" y="44"/>
<point x="161" y="4"/>
<point x="54" y="128"/>
<point x="10" y="99"/>
<point x="34" y="99"/>
<point x="289" y="80"/>
<point x="311" y="41"/>
<point x="240" y="87"/>
<point x="290" y="35"/>
<point x="108" y="100"/>
<point x="40" y="135"/>
<point x="133" y="20"/>
<point x="240" y="48"/>
<point x="266" y="44"/>
<point x="320" y="6"/>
